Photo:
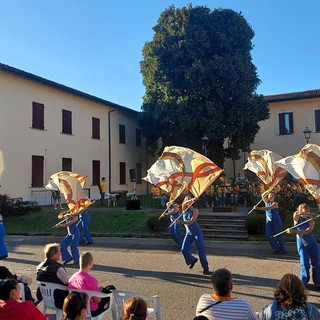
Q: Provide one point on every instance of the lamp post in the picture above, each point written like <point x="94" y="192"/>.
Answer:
<point x="307" y="134"/>
<point x="205" y="140"/>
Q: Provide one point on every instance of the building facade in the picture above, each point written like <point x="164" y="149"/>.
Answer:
<point x="290" y="115"/>
<point x="46" y="127"/>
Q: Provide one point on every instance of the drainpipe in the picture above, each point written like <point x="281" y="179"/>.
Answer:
<point x="109" y="145"/>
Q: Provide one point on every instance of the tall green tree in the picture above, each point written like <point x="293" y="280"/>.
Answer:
<point x="200" y="80"/>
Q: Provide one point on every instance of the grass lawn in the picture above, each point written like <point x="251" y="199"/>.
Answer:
<point x="105" y="221"/>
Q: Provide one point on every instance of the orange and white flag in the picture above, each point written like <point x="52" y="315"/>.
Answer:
<point x="305" y="167"/>
<point x="71" y="185"/>
<point x="180" y="169"/>
<point x="263" y="164"/>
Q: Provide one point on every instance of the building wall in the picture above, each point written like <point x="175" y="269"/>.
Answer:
<point x="269" y="138"/>
<point x="19" y="141"/>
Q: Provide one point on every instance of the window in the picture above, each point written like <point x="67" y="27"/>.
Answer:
<point x="317" y="120"/>
<point x="66" y="164"/>
<point x="66" y="122"/>
<point x="285" y="123"/>
<point x="37" y="171"/>
<point x="122" y="173"/>
<point x="122" y="133"/>
<point x="95" y="172"/>
<point x="37" y="115"/>
<point x="95" y="128"/>
<point x="139" y="170"/>
<point x="138" y="138"/>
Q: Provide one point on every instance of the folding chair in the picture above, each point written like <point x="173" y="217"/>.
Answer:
<point x="22" y="293"/>
<point x="98" y="294"/>
<point x="47" y="290"/>
<point x="153" y="302"/>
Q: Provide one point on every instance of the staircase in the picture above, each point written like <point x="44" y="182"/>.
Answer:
<point x="223" y="225"/>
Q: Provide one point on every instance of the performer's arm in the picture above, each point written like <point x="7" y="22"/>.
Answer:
<point x="72" y="221"/>
<point x="176" y="208"/>
<point x="273" y="206"/>
<point x="192" y="220"/>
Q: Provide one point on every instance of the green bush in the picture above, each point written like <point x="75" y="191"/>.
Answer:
<point x="157" y="224"/>
<point x="256" y="224"/>
<point x="9" y="206"/>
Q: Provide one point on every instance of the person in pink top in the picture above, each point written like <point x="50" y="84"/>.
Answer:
<point x="85" y="281"/>
<point x="11" y="308"/>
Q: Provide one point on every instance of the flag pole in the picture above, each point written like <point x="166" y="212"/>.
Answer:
<point x="297" y="225"/>
<point x="264" y="194"/>
<point x="194" y="200"/>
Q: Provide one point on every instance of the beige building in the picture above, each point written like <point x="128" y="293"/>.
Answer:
<point x="290" y="115"/>
<point x="46" y="127"/>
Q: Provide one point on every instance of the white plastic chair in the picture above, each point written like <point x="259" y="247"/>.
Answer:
<point x="98" y="294"/>
<point x="112" y="199"/>
<point x="47" y="290"/>
<point x="22" y="293"/>
<point x="153" y="302"/>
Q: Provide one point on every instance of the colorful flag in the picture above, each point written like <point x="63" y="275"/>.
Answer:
<point x="305" y="167"/>
<point x="262" y="163"/>
<point x="71" y="186"/>
<point x="180" y="169"/>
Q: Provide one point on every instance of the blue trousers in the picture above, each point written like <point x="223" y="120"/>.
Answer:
<point x="273" y="227"/>
<point x="175" y="233"/>
<point x="3" y="248"/>
<point x="83" y="226"/>
<point x="308" y="252"/>
<point x="186" y="248"/>
<point x="72" y="239"/>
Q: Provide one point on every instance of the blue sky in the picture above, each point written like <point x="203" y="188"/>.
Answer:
<point x="95" y="46"/>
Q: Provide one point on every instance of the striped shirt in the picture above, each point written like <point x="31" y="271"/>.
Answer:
<point x="233" y="309"/>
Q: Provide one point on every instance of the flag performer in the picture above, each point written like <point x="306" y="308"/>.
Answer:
<point x="306" y="244"/>
<point x="273" y="224"/>
<point x="71" y="185"/>
<point x="263" y="164"/>
<point x="193" y="233"/>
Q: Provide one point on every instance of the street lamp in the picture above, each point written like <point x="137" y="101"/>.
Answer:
<point x="307" y="134"/>
<point x="205" y="140"/>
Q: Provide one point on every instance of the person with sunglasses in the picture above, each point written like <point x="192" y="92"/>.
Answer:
<point x="75" y="306"/>
<point x="11" y="308"/>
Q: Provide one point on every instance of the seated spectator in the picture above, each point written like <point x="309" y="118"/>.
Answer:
<point x="290" y="302"/>
<point x="135" y="309"/>
<point x="159" y="194"/>
<point x="5" y="274"/>
<point x="50" y="270"/>
<point x="11" y="308"/>
<point x="75" y="306"/>
<point x="220" y="304"/>
<point x="83" y="280"/>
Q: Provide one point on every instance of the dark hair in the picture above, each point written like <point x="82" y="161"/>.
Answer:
<point x="73" y="305"/>
<point x="290" y="291"/>
<point x="221" y="280"/>
<point x="200" y="318"/>
<point x="134" y="309"/>
<point x="5" y="273"/>
<point x="6" y="287"/>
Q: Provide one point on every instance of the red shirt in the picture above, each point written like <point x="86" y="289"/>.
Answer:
<point x="15" y="310"/>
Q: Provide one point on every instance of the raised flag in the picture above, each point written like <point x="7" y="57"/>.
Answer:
<point x="70" y="185"/>
<point x="180" y="169"/>
<point x="263" y="164"/>
<point x="305" y="167"/>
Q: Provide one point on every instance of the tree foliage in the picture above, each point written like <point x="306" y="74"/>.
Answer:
<point x="200" y="80"/>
